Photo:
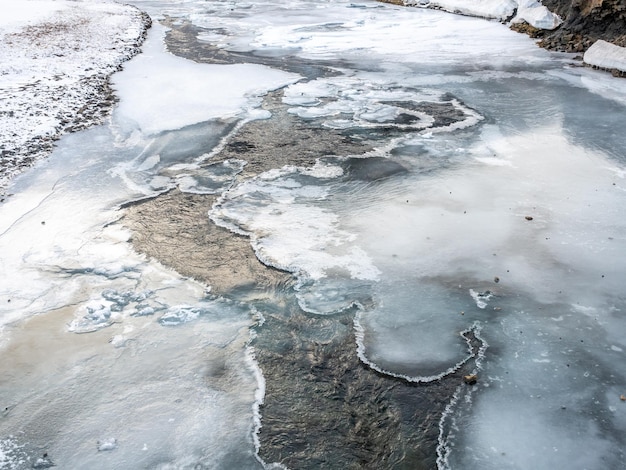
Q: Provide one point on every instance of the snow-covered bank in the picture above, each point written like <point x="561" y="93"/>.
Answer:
<point x="55" y="60"/>
<point x="516" y="11"/>
<point x="608" y="56"/>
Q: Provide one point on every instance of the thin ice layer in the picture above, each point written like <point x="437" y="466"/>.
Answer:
<point x="549" y="349"/>
<point x="569" y="392"/>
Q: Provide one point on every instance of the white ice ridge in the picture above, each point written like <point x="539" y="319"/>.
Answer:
<point x="517" y="11"/>
<point x="606" y="55"/>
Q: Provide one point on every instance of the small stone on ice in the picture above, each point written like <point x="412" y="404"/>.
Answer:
<point x="470" y="379"/>
<point x="622" y="397"/>
<point x="496" y="279"/>
<point x="528" y="217"/>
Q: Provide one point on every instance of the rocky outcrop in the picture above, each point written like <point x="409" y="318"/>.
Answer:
<point x="584" y="22"/>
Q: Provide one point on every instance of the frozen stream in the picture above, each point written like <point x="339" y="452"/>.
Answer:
<point x="447" y="198"/>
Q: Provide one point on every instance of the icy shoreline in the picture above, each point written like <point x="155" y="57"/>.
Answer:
<point x="57" y="58"/>
<point x="514" y="11"/>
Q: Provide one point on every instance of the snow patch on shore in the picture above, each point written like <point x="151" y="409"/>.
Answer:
<point x="56" y="57"/>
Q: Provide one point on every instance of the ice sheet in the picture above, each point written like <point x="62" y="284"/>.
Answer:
<point x="326" y="30"/>
<point x="548" y="355"/>
<point x="161" y="92"/>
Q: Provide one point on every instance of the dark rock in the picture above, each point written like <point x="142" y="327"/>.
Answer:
<point x="470" y="379"/>
<point x="584" y="22"/>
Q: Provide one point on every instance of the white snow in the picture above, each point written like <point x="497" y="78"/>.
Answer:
<point x="535" y="14"/>
<point x="606" y="55"/>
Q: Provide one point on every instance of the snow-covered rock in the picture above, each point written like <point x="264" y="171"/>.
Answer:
<point x="606" y="55"/>
<point x="535" y="14"/>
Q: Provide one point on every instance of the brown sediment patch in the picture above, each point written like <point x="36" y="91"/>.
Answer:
<point x="182" y="40"/>
<point x="175" y="229"/>
<point x="286" y="140"/>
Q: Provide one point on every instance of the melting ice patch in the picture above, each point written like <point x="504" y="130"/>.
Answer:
<point x="481" y="298"/>
<point x="345" y="30"/>
<point x="289" y="229"/>
<point x="213" y="178"/>
<point x="114" y="305"/>
<point x="355" y="102"/>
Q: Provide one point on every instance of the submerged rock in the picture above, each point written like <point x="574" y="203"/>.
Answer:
<point x="372" y="169"/>
<point x="325" y="409"/>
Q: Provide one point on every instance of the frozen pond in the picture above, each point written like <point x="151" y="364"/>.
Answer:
<point x="432" y="196"/>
